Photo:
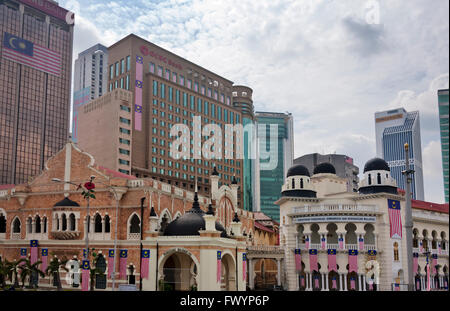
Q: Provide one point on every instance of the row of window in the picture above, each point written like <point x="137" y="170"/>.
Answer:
<point x="185" y="176"/>
<point x="120" y="67"/>
<point x="123" y="83"/>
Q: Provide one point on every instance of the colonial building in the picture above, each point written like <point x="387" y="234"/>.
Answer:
<point x="340" y="240"/>
<point x="192" y="241"/>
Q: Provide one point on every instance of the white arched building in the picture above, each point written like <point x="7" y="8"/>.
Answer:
<point x="330" y="235"/>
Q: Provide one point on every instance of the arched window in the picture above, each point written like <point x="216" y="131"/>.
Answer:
<point x="301" y="183"/>
<point x="2" y="223"/>
<point x="379" y="178"/>
<point x="29" y="225"/>
<point x="88" y="220"/>
<point x="57" y="222"/>
<point x="415" y="240"/>
<point x="98" y="223"/>
<point x="396" y="258"/>
<point x="293" y="183"/>
<point x="16" y="225"/>
<point x="107" y="224"/>
<point x="38" y="224"/>
<point x="72" y="225"/>
<point x="135" y="224"/>
<point x="44" y="224"/>
<point x="370" y="179"/>
<point x="64" y="222"/>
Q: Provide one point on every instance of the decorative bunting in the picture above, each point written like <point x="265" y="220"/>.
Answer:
<point x="434" y="262"/>
<point x="145" y="257"/>
<point x="361" y="243"/>
<point x="395" y="218"/>
<point x="244" y="266"/>
<point x="307" y="242"/>
<point x="85" y="266"/>
<point x="44" y="258"/>
<point x="123" y="263"/>
<point x="415" y="262"/>
<point x="298" y="259"/>
<point x="352" y="283"/>
<point x="353" y="260"/>
<point x="323" y="243"/>
<point x="341" y="243"/>
<point x="110" y="262"/>
<point x="219" y="266"/>
<point x="313" y="266"/>
<point x="332" y="266"/>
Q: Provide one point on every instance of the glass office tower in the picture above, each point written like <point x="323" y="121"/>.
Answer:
<point x="443" y="124"/>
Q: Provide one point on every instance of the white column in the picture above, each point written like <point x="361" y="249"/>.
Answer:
<point x="250" y="274"/>
<point x="364" y="283"/>
<point x="310" y="281"/>
<point x="326" y="281"/>
<point x="279" y="272"/>
<point x="340" y="282"/>
<point x="359" y="283"/>
<point x="345" y="281"/>
<point x="103" y="228"/>
<point x="33" y="226"/>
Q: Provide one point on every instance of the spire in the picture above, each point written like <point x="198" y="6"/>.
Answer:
<point x="236" y="218"/>
<point x="152" y="212"/>
<point x="215" y="172"/>
<point x="210" y="210"/>
<point x="234" y="182"/>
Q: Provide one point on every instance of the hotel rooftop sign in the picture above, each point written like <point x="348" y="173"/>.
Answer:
<point x="312" y="219"/>
<point x="52" y="9"/>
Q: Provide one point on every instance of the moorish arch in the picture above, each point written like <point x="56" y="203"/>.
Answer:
<point x="178" y="270"/>
<point x="228" y="279"/>
<point x="225" y="211"/>
<point x="164" y="219"/>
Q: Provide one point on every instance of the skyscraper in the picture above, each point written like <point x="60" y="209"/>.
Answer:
<point x="343" y="164"/>
<point x="274" y="158"/>
<point x="443" y="123"/>
<point x="90" y="79"/>
<point x="35" y="80"/>
<point x="394" y="128"/>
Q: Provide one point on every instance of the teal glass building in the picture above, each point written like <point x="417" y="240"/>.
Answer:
<point x="443" y="124"/>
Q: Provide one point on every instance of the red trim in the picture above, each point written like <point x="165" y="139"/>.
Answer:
<point x="429" y="206"/>
<point x="264" y="228"/>
<point x="7" y="186"/>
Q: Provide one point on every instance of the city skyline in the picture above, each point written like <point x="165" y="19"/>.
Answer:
<point x="334" y="46"/>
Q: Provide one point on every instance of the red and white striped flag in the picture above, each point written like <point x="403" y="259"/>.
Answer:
<point x="361" y="243"/>
<point x="123" y="264"/>
<point x="415" y="263"/>
<point x="332" y="266"/>
<point x="34" y="251"/>
<point x="298" y="260"/>
<point x="85" y="275"/>
<point x="145" y="257"/>
<point x="353" y="260"/>
<point x="427" y="267"/>
<point x="110" y="262"/>
<point x="29" y="54"/>
<point x="219" y="266"/>
<point x="313" y="266"/>
<point x="395" y="218"/>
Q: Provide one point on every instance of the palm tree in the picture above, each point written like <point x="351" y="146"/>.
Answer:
<point x="94" y="270"/>
<point x="29" y="269"/>
<point x="4" y="272"/>
<point x="13" y="273"/>
<point x="53" y="269"/>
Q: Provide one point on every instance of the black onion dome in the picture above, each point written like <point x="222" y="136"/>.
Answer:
<point x="298" y="170"/>
<point x="66" y="202"/>
<point x="376" y="164"/>
<point x="324" y="168"/>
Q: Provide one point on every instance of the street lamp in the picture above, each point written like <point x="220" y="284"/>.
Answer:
<point x="408" y="220"/>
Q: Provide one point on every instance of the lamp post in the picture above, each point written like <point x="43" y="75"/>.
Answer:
<point x="408" y="220"/>
<point x="140" y="253"/>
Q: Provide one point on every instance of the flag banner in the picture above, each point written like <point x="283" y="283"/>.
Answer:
<point x="44" y="257"/>
<point x="421" y="246"/>
<point x="307" y="242"/>
<point x="395" y="218"/>
<point x="32" y="55"/>
<point x="439" y="248"/>
<point x="352" y="260"/>
<point x="219" y="266"/>
<point x="23" y="253"/>
<point x="298" y="259"/>
<point x="123" y="263"/>
<point x="427" y="268"/>
<point x="415" y="262"/>
<point x="85" y="253"/>
<point x="372" y="252"/>
<point x="323" y="241"/>
<point x="361" y="243"/>
<point x="145" y="258"/>
<point x="352" y="283"/>
<point x="333" y="283"/>
<point x="316" y="281"/>
<point x="34" y="251"/>
<point x="313" y="266"/>
<point x="244" y="266"/>
<point x="397" y="287"/>
<point x="85" y="275"/>
<point x="417" y="284"/>
<point x="434" y="262"/>
<point x="332" y="266"/>
<point x="110" y="262"/>
<point x="302" y="281"/>
<point x="138" y="94"/>
<point x="341" y="243"/>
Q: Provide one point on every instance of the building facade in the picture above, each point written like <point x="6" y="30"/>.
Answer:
<point x="443" y="124"/>
<point x="394" y="128"/>
<point x="90" y="80"/>
<point x="167" y="93"/>
<point x="274" y="158"/>
<point x="35" y="82"/>
<point x="343" y="164"/>
<point x="183" y="232"/>
<point x="336" y="240"/>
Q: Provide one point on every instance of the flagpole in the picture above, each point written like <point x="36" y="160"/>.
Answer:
<point x="408" y="220"/>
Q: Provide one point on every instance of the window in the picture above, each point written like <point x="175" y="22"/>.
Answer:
<point x="152" y="67"/>
<point x="124" y="162"/>
<point x="123" y="151"/>
<point x="181" y="80"/>
<point x="174" y="77"/>
<point x="396" y="257"/>
<point x="167" y="74"/>
<point x="123" y="120"/>
<point x="128" y="82"/>
<point x="122" y="65"/>
<point x="189" y="82"/>
<point x="163" y="90"/>
<point x="124" y="141"/>
<point x="128" y="63"/>
<point x="125" y="108"/>
<point x="125" y="172"/>
<point x="117" y="69"/>
<point x="111" y="72"/>
<point x="160" y="71"/>
<point x="125" y="131"/>
<point x="155" y="88"/>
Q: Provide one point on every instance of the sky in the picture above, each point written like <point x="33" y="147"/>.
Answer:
<point x="331" y="63"/>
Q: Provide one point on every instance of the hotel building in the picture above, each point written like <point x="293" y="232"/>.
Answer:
<point x="167" y="91"/>
<point x="35" y="104"/>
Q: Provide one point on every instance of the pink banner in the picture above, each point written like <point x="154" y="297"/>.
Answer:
<point x="302" y="281"/>
<point x="219" y="266"/>
<point x="44" y="257"/>
<point x="370" y="286"/>
<point x="307" y="243"/>
<point x="123" y="264"/>
<point x="333" y="283"/>
<point x="332" y="266"/>
<point x="353" y="261"/>
<point x="439" y="248"/>
<point x="427" y="267"/>
<point x="341" y="243"/>
<point x="244" y="266"/>
<point x="415" y="263"/>
<point x="434" y="263"/>
<point x="110" y="262"/>
<point x="34" y="255"/>
<point x="417" y="284"/>
<point x="298" y="260"/>
<point x="323" y="243"/>
<point x="85" y="266"/>
<point x="316" y="282"/>
<point x="313" y="266"/>
<point x="145" y="263"/>
<point x="352" y="283"/>
<point x="361" y="244"/>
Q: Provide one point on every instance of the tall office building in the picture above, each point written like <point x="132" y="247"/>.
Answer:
<point x="273" y="159"/>
<point x="443" y="123"/>
<point x="343" y="164"/>
<point x="90" y="80"/>
<point x="167" y="92"/>
<point x="35" y="80"/>
<point x="394" y="128"/>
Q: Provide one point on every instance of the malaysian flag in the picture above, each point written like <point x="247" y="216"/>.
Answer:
<point x="123" y="263"/>
<point x="313" y="266"/>
<point x="395" y="218"/>
<point x="29" y="54"/>
<point x="415" y="262"/>
<point x="298" y="259"/>
<point x="145" y="257"/>
<point x="219" y="266"/>
<point x="110" y="262"/>
<point x="34" y="251"/>
<point x="332" y="266"/>
<point x="353" y="260"/>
